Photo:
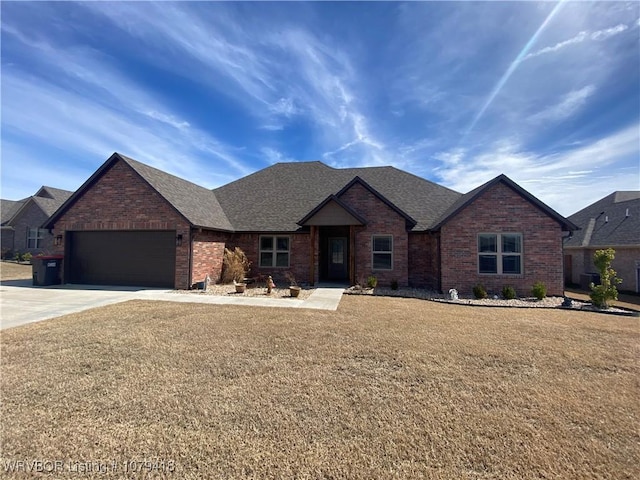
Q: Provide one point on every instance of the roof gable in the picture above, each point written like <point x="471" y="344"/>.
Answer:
<point x="359" y="181"/>
<point x="197" y="205"/>
<point x="8" y="208"/>
<point x="469" y="197"/>
<point x="332" y="211"/>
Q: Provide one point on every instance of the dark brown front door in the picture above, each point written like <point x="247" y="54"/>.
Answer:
<point x="338" y="258"/>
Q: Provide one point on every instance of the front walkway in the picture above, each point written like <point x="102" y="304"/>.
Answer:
<point x="21" y="303"/>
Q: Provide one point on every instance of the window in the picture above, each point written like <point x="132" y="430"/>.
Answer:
<point x="382" y="252"/>
<point x="500" y="253"/>
<point x="35" y="236"/>
<point x="274" y="251"/>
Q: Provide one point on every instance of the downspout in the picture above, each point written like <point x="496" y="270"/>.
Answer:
<point x="190" y="274"/>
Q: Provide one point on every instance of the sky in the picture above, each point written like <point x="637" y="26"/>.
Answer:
<point x="547" y="93"/>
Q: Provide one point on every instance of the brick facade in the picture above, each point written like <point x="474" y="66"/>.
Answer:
<point x="500" y="210"/>
<point x="424" y="265"/>
<point x="208" y="254"/>
<point x="121" y="200"/>
<point x="381" y="220"/>
<point x="31" y="216"/>
<point x="299" y="248"/>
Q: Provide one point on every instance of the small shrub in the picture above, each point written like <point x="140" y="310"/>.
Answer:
<point x="539" y="290"/>
<point x="508" y="292"/>
<point x="235" y="265"/>
<point x="601" y="295"/>
<point x="394" y="284"/>
<point x="372" y="281"/>
<point x="479" y="291"/>
<point x="291" y="278"/>
<point x="26" y="257"/>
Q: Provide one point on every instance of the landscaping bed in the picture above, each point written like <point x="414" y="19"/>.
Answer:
<point x="252" y="290"/>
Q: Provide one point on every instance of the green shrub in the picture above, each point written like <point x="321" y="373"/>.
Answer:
<point x="539" y="290"/>
<point x="26" y="257"/>
<point x="479" y="291"/>
<point x="601" y="295"/>
<point x="372" y="281"/>
<point x="235" y="265"/>
<point x="508" y="292"/>
<point x="394" y="284"/>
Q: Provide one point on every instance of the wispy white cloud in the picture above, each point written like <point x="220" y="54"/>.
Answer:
<point x="579" y="38"/>
<point x="570" y="103"/>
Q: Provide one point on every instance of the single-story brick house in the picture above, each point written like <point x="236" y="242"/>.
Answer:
<point x="611" y="222"/>
<point x="132" y="224"/>
<point x="22" y="221"/>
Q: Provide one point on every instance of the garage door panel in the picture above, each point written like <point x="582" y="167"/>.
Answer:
<point x="122" y="258"/>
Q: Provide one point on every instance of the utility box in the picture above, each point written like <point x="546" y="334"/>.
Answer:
<point x="587" y="279"/>
<point x="46" y="270"/>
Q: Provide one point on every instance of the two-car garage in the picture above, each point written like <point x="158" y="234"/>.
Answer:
<point x="133" y="258"/>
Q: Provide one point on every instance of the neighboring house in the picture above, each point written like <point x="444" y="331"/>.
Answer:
<point x="8" y="208"/>
<point x="23" y="225"/>
<point x="132" y="224"/>
<point x="613" y="221"/>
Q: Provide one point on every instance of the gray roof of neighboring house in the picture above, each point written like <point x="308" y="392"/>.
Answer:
<point x="611" y="221"/>
<point x="469" y="197"/>
<point x="48" y="199"/>
<point x="8" y="209"/>
<point x="275" y="198"/>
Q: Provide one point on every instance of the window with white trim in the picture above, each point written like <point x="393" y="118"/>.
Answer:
<point x="382" y="252"/>
<point x="274" y="251"/>
<point x="500" y="253"/>
<point x="35" y="236"/>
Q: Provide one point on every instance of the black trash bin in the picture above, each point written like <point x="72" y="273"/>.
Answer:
<point x="587" y="279"/>
<point x="46" y="270"/>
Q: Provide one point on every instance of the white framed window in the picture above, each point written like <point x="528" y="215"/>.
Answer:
<point x="500" y="253"/>
<point x="35" y="236"/>
<point x="274" y="251"/>
<point x="382" y="252"/>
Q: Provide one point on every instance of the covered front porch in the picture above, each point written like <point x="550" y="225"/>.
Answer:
<point x="332" y="252"/>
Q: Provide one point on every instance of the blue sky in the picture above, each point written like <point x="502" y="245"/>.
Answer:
<point x="455" y="92"/>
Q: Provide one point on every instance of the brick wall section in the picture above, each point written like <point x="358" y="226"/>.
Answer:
<point x="208" y="254"/>
<point x="381" y="220"/>
<point x="625" y="265"/>
<point x="424" y="268"/>
<point x="31" y="217"/>
<point x="501" y="210"/>
<point x="299" y="251"/>
<point x="121" y="200"/>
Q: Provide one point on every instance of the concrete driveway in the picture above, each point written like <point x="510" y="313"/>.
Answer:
<point x="22" y="303"/>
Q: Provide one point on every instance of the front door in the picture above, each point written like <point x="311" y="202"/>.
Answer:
<point x="337" y="268"/>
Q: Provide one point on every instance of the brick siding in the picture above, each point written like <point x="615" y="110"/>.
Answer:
<point x="381" y="220"/>
<point x="121" y="200"/>
<point x="31" y="217"/>
<point x="208" y="254"/>
<point x="501" y="210"/>
<point x="424" y="267"/>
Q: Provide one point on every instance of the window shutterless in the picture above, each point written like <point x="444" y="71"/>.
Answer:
<point x="500" y="253"/>
<point x="274" y="251"/>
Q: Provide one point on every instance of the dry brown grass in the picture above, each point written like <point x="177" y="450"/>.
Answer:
<point x="382" y="388"/>
<point x="15" y="271"/>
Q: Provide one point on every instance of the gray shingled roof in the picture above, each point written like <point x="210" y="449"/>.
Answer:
<point x="605" y="223"/>
<point x="275" y="198"/>
<point x="197" y="204"/>
<point x="8" y="209"/>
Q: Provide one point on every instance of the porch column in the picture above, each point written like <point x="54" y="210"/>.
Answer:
<point x="312" y="250"/>
<point x="352" y="254"/>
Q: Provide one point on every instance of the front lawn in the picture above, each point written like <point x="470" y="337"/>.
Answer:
<point x="382" y="388"/>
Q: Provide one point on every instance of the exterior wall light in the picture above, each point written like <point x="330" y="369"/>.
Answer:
<point x="179" y="240"/>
